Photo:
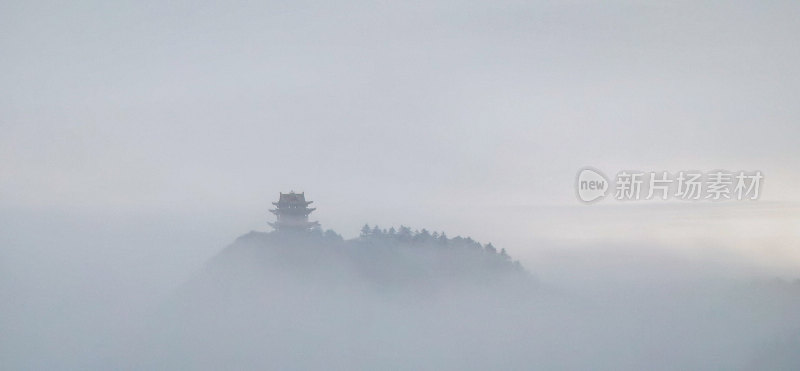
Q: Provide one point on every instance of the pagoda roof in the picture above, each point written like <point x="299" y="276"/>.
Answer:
<point x="292" y="211"/>
<point x="297" y="211"/>
<point x="292" y="197"/>
<point x="293" y="224"/>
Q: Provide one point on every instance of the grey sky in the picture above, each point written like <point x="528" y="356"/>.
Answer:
<point x="139" y="138"/>
<point x="433" y="114"/>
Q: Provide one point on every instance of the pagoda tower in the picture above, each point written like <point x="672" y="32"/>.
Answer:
<point x="292" y="211"/>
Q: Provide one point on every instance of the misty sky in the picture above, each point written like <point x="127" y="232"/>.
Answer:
<point x="171" y="126"/>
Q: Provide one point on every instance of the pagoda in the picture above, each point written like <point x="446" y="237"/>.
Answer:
<point x="292" y="211"/>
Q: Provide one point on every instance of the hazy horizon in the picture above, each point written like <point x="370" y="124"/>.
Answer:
<point x="141" y="138"/>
